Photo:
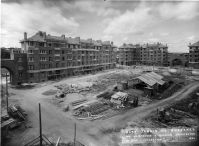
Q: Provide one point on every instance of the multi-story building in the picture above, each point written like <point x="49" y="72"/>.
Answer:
<point x="51" y="57"/>
<point x="194" y="55"/>
<point x="147" y="54"/>
<point x="129" y="54"/>
<point x="154" y="54"/>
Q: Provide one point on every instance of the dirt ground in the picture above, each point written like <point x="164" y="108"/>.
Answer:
<point x="57" y="123"/>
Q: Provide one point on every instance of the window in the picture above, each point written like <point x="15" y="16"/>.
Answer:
<point x="62" y="51"/>
<point x="42" y="51"/>
<point x="19" y="59"/>
<point x="31" y="67"/>
<point x="30" y="59"/>
<point x="41" y="44"/>
<point x="42" y="58"/>
<point x="50" y="65"/>
<point x="31" y="75"/>
<point x="20" y="74"/>
<point x="63" y="58"/>
<point x="50" y="51"/>
<point x="57" y="64"/>
<point x="30" y="51"/>
<point x="31" y="43"/>
<point x="50" y="59"/>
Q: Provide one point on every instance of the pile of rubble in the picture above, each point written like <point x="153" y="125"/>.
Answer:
<point x="92" y="110"/>
<point x="73" y="88"/>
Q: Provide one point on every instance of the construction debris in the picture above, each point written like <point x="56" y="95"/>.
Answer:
<point x="67" y="89"/>
<point x="17" y="112"/>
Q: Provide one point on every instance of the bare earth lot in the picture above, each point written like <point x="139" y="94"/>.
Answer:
<point x="57" y="123"/>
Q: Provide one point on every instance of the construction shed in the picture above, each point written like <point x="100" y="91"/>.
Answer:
<point x="149" y="82"/>
<point x="119" y="98"/>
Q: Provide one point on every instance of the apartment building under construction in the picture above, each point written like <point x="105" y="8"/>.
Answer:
<point x="146" y="54"/>
<point x="129" y="54"/>
<point x="194" y="55"/>
<point x="51" y="57"/>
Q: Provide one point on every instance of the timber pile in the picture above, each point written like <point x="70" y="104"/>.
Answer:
<point x="92" y="111"/>
<point x="17" y="112"/>
<point x="78" y="102"/>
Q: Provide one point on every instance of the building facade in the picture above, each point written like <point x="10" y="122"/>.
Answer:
<point x="154" y="54"/>
<point x="194" y="55"/>
<point x="146" y="54"/>
<point x="16" y="63"/>
<point x="129" y="54"/>
<point x="51" y="57"/>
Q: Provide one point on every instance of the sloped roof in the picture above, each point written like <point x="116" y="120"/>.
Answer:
<point x="36" y="38"/>
<point x="195" y="44"/>
<point x="151" y="78"/>
<point x="57" y="38"/>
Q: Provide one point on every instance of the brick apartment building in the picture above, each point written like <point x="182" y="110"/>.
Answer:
<point x="51" y="57"/>
<point x="194" y="55"/>
<point x="16" y="63"/>
<point x="129" y="54"/>
<point x="146" y="54"/>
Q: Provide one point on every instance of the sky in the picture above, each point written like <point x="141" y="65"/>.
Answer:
<point x="172" y="22"/>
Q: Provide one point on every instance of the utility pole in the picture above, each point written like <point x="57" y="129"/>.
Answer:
<point x="7" y="92"/>
<point x="40" y="125"/>
<point x="75" y="134"/>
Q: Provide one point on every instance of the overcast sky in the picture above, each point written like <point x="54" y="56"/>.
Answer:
<point x="121" y="21"/>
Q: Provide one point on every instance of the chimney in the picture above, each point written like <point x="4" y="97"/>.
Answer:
<point x="63" y="36"/>
<point x="44" y="35"/>
<point x="25" y="35"/>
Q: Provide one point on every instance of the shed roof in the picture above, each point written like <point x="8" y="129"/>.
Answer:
<point x="151" y="79"/>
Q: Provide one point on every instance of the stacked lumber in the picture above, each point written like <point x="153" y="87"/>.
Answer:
<point x="78" y="102"/>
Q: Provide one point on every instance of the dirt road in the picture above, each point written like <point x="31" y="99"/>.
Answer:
<point x="56" y="124"/>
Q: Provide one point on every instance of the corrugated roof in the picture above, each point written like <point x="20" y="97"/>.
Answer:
<point x="151" y="79"/>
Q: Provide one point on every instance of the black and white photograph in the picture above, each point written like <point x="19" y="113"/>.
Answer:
<point x="99" y="72"/>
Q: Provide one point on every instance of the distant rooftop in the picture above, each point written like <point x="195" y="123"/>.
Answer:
<point x="42" y="37"/>
<point x="195" y="44"/>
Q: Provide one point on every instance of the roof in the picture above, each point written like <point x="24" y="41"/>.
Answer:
<point x="73" y="40"/>
<point x="36" y="38"/>
<point x="97" y="43"/>
<point x="195" y="44"/>
<point x="155" y="45"/>
<point x="151" y="78"/>
<point x="119" y="95"/>
<point x="129" y="46"/>
<point x="57" y="38"/>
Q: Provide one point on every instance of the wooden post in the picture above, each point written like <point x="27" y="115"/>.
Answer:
<point x="7" y="92"/>
<point x="40" y="125"/>
<point x="57" y="144"/>
<point x="75" y="134"/>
